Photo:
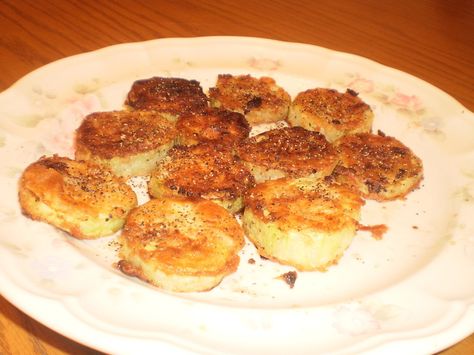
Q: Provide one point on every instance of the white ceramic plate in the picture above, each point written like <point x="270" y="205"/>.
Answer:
<point x="411" y="292"/>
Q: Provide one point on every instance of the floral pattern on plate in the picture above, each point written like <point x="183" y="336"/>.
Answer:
<point x="381" y="287"/>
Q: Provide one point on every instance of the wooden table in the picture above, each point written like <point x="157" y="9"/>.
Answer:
<point x="431" y="39"/>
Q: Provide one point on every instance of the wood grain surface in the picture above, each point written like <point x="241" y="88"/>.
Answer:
<point x="431" y="39"/>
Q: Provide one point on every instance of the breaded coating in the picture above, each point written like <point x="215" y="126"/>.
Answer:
<point x="380" y="167"/>
<point x="180" y="244"/>
<point x="81" y="198"/>
<point x="289" y="151"/>
<point x="331" y="113"/>
<point x="213" y="125"/>
<point x="169" y="96"/>
<point x="205" y="171"/>
<point x="306" y="223"/>
<point x="127" y="142"/>
<point x="260" y="100"/>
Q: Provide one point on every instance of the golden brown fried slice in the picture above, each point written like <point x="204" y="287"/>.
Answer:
<point x="260" y="100"/>
<point x="170" y="96"/>
<point x="380" y="167"/>
<point x="331" y="113"/>
<point x="80" y="198"/>
<point x="305" y="222"/>
<point x="128" y="142"/>
<point x="180" y="244"/>
<point x="202" y="170"/>
<point x="289" y="151"/>
<point x="213" y="125"/>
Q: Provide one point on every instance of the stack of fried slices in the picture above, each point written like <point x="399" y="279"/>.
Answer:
<point x="299" y="188"/>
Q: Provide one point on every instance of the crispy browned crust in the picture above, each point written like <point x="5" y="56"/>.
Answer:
<point x="212" y="125"/>
<point x="205" y="170"/>
<point x="122" y="133"/>
<point x="170" y="95"/>
<point x="76" y="188"/>
<point x="77" y="183"/>
<point x="339" y="109"/>
<point x="295" y="150"/>
<point x="330" y="112"/>
<point x="330" y="205"/>
<point x="179" y="247"/>
<point x="260" y="100"/>
<point x="378" y="163"/>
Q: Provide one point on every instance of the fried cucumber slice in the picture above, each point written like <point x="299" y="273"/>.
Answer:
<point x="169" y="96"/>
<point x="332" y="113"/>
<point x="79" y="197"/>
<point x="381" y="167"/>
<point x="305" y="222"/>
<point x="261" y="100"/>
<point x="213" y="125"/>
<point x="202" y="170"/>
<point x="130" y="143"/>
<point x="180" y="244"/>
<point x="287" y="152"/>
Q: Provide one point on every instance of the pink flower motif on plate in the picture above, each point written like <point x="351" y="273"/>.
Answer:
<point x="264" y="63"/>
<point x="407" y="102"/>
<point x="361" y="85"/>
<point x="60" y="134"/>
